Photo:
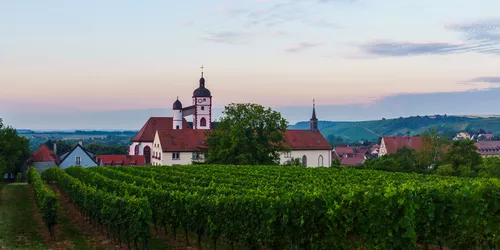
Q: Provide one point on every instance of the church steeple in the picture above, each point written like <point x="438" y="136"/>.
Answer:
<point x="202" y="80"/>
<point x="313" y="122"/>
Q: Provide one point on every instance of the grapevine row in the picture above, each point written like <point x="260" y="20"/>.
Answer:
<point x="125" y="216"/>
<point x="46" y="200"/>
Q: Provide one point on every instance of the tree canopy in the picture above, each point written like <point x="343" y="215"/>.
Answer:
<point x="14" y="150"/>
<point x="247" y="134"/>
<point x="463" y="153"/>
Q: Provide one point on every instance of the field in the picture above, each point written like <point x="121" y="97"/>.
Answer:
<point x="284" y="207"/>
<point x="372" y="130"/>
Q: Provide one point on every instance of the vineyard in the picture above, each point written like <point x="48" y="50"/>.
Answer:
<point x="287" y="207"/>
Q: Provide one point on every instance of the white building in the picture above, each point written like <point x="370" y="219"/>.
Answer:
<point x="201" y="110"/>
<point x="174" y="141"/>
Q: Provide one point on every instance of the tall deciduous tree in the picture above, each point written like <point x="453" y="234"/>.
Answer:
<point x="432" y="151"/>
<point x="247" y="134"/>
<point x="463" y="153"/>
<point x="14" y="150"/>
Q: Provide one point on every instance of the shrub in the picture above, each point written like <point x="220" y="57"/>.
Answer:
<point x="465" y="171"/>
<point x="50" y="174"/>
<point x="445" y="170"/>
<point x="19" y="177"/>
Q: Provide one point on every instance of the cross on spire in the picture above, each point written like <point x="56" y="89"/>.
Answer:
<point x="202" y="70"/>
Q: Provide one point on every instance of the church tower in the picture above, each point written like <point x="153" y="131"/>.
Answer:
<point x="313" y="122"/>
<point x="202" y="101"/>
<point x="177" y="119"/>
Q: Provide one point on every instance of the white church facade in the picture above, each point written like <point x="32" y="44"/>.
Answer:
<point x="174" y="141"/>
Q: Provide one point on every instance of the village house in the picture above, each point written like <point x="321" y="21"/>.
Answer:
<point x="488" y="148"/>
<point x="77" y="156"/>
<point x="462" y="136"/>
<point x="391" y="144"/>
<point x="174" y="141"/>
<point x="44" y="158"/>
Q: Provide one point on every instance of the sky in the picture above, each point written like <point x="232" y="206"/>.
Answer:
<point x="111" y="64"/>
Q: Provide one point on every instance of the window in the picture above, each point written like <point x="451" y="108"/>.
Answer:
<point x="78" y="161"/>
<point x="177" y="127"/>
<point x="202" y="108"/>
<point x="197" y="156"/>
<point x="320" y="161"/>
<point x="203" y="122"/>
<point x="176" y="156"/>
<point x="288" y="154"/>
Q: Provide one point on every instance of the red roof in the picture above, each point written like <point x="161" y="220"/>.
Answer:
<point x="122" y="160"/>
<point x="393" y="143"/>
<point x="182" y="140"/>
<point x="306" y="140"/>
<point x="488" y="147"/>
<point x="352" y="159"/>
<point x="147" y="132"/>
<point x="342" y="150"/>
<point x="43" y="154"/>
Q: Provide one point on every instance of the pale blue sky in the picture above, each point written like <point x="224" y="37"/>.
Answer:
<point x="61" y="56"/>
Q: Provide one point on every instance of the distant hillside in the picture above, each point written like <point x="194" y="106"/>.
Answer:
<point x="372" y="130"/>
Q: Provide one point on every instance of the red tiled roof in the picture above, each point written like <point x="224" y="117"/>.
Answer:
<point x="341" y="150"/>
<point x="43" y="154"/>
<point x="123" y="160"/>
<point x="393" y="143"/>
<point x="352" y="160"/>
<point x="306" y="140"/>
<point x="182" y="140"/>
<point x="147" y="132"/>
<point x="488" y="147"/>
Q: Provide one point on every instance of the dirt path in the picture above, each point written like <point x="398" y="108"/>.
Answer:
<point x="95" y="239"/>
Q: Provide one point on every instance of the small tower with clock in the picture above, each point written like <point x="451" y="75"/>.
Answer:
<point x="202" y="101"/>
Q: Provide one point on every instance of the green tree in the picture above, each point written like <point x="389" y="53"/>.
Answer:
<point x="293" y="162"/>
<point x="490" y="167"/>
<point x="14" y="150"/>
<point x="445" y="170"/>
<point x="247" y="134"/>
<point x="407" y="159"/>
<point x="432" y="151"/>
<point x="335" y="163"/>
<point x="463" y="152"/>
<point x="62" y="146"/>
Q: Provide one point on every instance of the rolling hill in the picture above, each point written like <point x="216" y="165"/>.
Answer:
<point x="372" y="130"/>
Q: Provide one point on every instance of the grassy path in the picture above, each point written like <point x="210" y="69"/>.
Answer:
<point x="17" y="227"/>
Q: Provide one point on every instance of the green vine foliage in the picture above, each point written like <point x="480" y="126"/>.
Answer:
<point x="279" y="207"/>
<point x="47" y="201"/>
<point x="125" y="215"/>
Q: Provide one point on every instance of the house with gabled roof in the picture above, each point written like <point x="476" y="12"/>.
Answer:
<point x="77" y="156"/>
<point x="488" y="148"/>
<point x="391" y="144"/>
<point x="42" y="159"/>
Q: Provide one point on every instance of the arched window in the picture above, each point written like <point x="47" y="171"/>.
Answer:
<point x="304" y="161"/>
<point x="177" y="127"/>
<point x="147" y="154"/>
<point x="320" y="161"/>
<point x="136" y="150"/>
<point x="203" y="122"/>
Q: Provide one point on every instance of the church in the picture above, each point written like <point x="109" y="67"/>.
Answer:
<point x="175" y="141"/>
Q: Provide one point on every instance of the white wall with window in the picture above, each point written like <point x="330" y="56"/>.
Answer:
<point x="312" y="158"/>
